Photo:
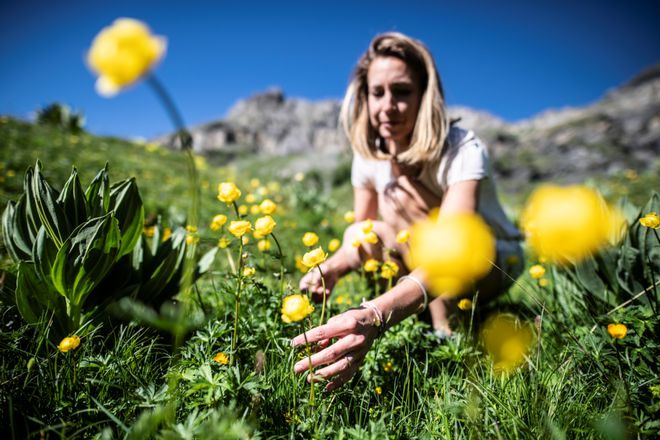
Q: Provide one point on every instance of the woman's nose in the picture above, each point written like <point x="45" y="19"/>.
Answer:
<point x="390" y="102"/>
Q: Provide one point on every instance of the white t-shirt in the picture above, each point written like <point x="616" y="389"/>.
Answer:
<point x="465" y="158"/>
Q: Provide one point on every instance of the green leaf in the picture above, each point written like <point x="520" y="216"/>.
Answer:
<point x="86" y="257"/>
<point x="34" y="296"/>
<point x="587" y="274"/>
<point x="167" y="262"/>
<point x="206" y="261"/>
<point x="126" y="203"/>
<point x="45" y="253"/>
<point x="72" y="199"/>
<point x="44" y="200"/>
<point x="98" y="194"/>
<point x="31" y="216"/>
<point x="15" y="233"/>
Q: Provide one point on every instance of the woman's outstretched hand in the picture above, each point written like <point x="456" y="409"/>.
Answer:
<point x="355" y="332"/>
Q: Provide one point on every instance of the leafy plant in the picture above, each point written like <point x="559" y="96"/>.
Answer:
<point x="60" y="115"/>
<point x="77" y="249"/>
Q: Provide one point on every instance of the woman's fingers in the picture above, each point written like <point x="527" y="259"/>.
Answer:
<point x="343" y="377"/>
<point x="336" y="327"/>
<point x="332" y="353"/>
<point x="344" y="364"/>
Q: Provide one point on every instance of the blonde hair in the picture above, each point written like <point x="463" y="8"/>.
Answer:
<point x="432" y="125"/>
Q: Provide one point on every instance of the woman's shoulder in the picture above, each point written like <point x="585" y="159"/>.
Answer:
<point x="459" y="136"/>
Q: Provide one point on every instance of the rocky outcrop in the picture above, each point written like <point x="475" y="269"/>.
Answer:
<point x="622" y="130"/>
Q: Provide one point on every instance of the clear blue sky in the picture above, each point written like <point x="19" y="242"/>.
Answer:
<point x="513" y="59"/>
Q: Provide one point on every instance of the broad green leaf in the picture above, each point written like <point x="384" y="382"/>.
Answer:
<point x="167" y="263"/>
<point x="34" y="296"/>
<point x="49" y="211"/>
<point x="15" y="233"/>
<point x="126" y="203"/>
<point x="31" y="215"/>
<point x="86" y="257"/>
<point x="98" y="194"/>
<point x="587" y="274"/>
<point x="206" y="261"/>
<point x="73" y="202"/>
<point x="45" y="253"/>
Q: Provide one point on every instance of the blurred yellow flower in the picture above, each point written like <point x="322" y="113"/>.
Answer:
<point x="465" y="304"/>
<point x="371" y="265"/>
<point x="650" y="220"/>
<point x="254" y="183"/>
<point x="273" y="186"/>
<point x="388" y="367"/>
<point x="191" y="229"/>
<point x="349" y="216"/>
<point x="122" y="53"/>
<point x="568" y="223"/>
<point x="149" y="231"/>
<point x="299" y="177"/>
<point x="218" y="221"/>
<point x="223" y="242"/>
<point x="296" y="308"/>
<point x="264" y="226"/>
<point x="69" y="343"/>
<point x="537" y="271"/>
<point x="192" y="239"/>
<point x="249" y="271"/>
<point x="544" y="282"/>
<point x="334" y="245"/>
<point x="263" y="245"/>
<point x="267" y="206"/>
<point x="370" y="237"/>
<point x="242" y="210"/>
<point x="167" y="233"/>
<point x="250" y="198"/>
<point x="367" y="226"/>
<point x="300" y="265"/>
<point x="389" y="269"/>
<point x="507" y="340"/>
<point x="228" y="192"/>
<point x="403" y="236"/>
<point x="221" y="358"/>
<point x="454" y="252"/>
<point x="314" y="257"/>
<point x="239" y="228"/>
<point x="356" y="243"/>
<point x="245" y="240"/>
<point x="310" y="239"/>
<point x="378" y="391"/>
<point x="617" y="331"/>
<point x="254" y="209"/>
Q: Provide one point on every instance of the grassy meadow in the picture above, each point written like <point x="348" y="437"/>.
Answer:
<point x="192" y="367"/>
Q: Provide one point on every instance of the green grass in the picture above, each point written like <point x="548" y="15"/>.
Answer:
<point x="128" y="380"/>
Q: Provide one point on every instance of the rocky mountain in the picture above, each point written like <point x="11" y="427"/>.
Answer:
<point x="620" y="131"/>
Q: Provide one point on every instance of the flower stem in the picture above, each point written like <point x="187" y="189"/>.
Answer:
<point x="311" y="369"/>
<point x="280" y="256"/>
<point x="324" y="293"/>
<point x="237" y="307"/>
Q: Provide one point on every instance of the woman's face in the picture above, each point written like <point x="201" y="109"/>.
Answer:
<point x="394" y="94"/>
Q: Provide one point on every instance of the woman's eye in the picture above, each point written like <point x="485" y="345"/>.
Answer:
<point x="377" y="93"/>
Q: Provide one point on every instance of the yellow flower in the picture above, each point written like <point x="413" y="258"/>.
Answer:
<point x="149" y="231"/>
<point x="250" y="198"/>
<point x="254" y="183"/>
<point x="254" y="209"/>
<point x="218" y="221"/>
<point x="191" y="229"/>
<point x="544" y="282"/>
<point x="314" y="257"/>
<point x="273" y="186"/>
<point x="371" y="265"/>
<point x="300" y="265"/>
<point x="249" y="271"/>
<point x="122" y="53"/>
<point x="370" y="237"/>
<point x="69" y="343"/>
<point x="340" y="299"/>
<point x="356" y="243"/>
<point x="403" y="236"/>
<point x="223" y="242"/>
<point x="568" y="223"/>
<point x="650" y="220"/>
<point x="167" y="233"/>
<point x="454" y="252"/>
<point x="267" y="206"/>
<point x="264" y="226"/>
<point x="263" y="245"/>
<point x="367" y="226"/>
<point x="507" y="341"/>
<point x="310" y="239"/>
<point x="334" y="245"/>
<point x="378" y="391"/>
<point x="295" y="308"/>
<point x="239" y="228"/>
<point x="465" y="304"/>
<point x="299" y="177"/>
<point x="228" y="192"/>
<point x="537" y="271"/>
<point x="617" y="331"/>
<point x="192" y="239"/>
<point x="245" y="239"/>
<point x="388" y="367"/>
<point x="349" y="216"/>
<point x="242" y="210"/>
<point x="221" y="358"/>
<point x="389" y="270"/>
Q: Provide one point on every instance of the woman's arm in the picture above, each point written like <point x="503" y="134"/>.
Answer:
<point x="365" y="204"/>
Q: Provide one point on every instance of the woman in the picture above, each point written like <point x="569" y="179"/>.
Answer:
<point x="408" y="160"/>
